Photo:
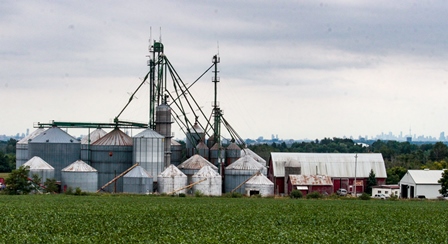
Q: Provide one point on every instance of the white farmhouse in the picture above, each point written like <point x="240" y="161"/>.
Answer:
<point x="421" y="184"/>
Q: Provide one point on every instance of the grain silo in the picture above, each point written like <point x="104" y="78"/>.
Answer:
<point x="211" y="181"/>
<point x="138" y="181"/>
<point x="41" y="168"/>
<point x="163" y="127"/>
<point x="111" y="156"/>
<point x="256" y="157"/>
<point x="87" y="141"/>
<point x="22" y="147"/>
<point x="202" y="149"/>
<point x="192" y="165"/>
<point x="176" y="152"/>
<point x="149" y="151"/>
<point x="170" y="180"/>
<point x="217" y="154"/>
<point x="240" y="171"/>
<point x="194" y="136"/>
<point x="233" y="153"/>
<point x="56" y="147"/>
<point x="79" y="174"/>
<point x="259" y="185"/>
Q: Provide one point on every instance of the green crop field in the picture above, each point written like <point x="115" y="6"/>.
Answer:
<point x="130" y="219"/>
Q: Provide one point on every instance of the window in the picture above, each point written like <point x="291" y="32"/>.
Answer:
<point x="379" y="191"/>
<point x="385" y="192"/>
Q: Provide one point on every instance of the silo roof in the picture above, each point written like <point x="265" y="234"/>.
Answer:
<point x="245" y="163"/>
<point x="201" y="145"/>
<point x="149" y="133"/>
<point x="115" y="138"/>
<point x="196" y="129"/>
<point x="233" y="146"/>
<point x="247" y="151"/>
<point x="79" y="166"/>
<point x="175" y="143"/>
<point x="259" y="179"/>
<point x="196" y="162"/>
<point x="172" y="171"/>
<point x="206" y="171"/>
<point x="54" y="135"/>
<point x="215" y="147"/>
<point x="37" y="163"/>
<point x="94" y="136"/>
<point x="31" y="136"/>
<point x="138" y="172"/>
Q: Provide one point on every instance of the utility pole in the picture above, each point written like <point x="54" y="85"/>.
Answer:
<point x="356" y="163"/>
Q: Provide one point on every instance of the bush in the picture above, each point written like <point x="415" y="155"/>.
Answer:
<point x="364" y="196"/>
<point x="50" y="186"/>
<point x="314" y="195"/>
<point x="182" y="195"/>
<point x="198" y="194"/>
<point x="79" y="192"/>
<point x="69" y="191"/>
<point x="393" y="197"/>
<point x="296" y="194"/>
<point x="233" y="195"/>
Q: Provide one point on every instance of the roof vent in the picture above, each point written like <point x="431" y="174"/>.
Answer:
<point x="47" y="140"/>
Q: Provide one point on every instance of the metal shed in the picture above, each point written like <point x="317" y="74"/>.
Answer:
<point x="212" y="185"/>
<point x="171" y="179"/>
<point x="138" y="180"/>
<point x="149" y="151"/>
<point x="111" y="156"/>
<point x="259" y="184"/>
<point x="56" y="147"/>
<point x="79" y="174"/>
<point x="41" y="168"/>
<point x="192" y="165"/>
<point x="421" y="183"/>
<point x="240" y="171"/>
<point x="22" y="147"/>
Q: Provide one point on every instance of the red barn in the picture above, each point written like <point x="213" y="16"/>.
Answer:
<point x="343" y="168"/>
<point x="310" y="183"/>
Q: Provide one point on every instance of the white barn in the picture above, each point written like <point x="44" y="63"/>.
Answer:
<point x="421" y="184"/>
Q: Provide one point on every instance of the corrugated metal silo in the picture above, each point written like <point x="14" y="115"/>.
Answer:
<point x="22" y="147"/>
<point x="56" y="147"/>
<point x="203" y="149"/>
<point x="111" y="156"/>
<point x="233" y="153"/>
<point x="192" y="165"/>
<point x="212" y="186"/>
<point x="87" y="141"/>
<point x="240" y="171"/>
<point x="194" y="136"/>
<point x="149" y="151"/>
<point x="163" y="127"/>
<point x="79" y="174"/>
<point x="176" y="152"/>
<point x="217" y="153"/>
<point x="259" y="184"/>
<point x="138" y="180"/>
<point x="256" y="157"/>
<point x="171" y="179"/>
<point x="41" y="168"/>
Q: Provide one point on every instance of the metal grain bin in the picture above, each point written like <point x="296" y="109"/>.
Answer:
<point x="247" y="151"/>
<point x="41" y="168"/>
<point x="22" y="147"/>
<point x="171" y="179"/>
<point x="194" y="136"/>
<point x="79" y="174"/>
<point x="138" y="181"/>
<point x="163" y="127"/>
<point x="149" y="151"/>
<point x="111" y="156"/>
<point x="240" y="171"/>
<point x="212" y="186"/>
<point x="259" y="185"/>
<point x="87" y="141"/>
<point x="176" y="152"/>
<point x="203" y="149"/>
<point x="233" y="153"/>
<point x="56" y="147"/>
<point x="192" y="165"/>
<point x="217" y="154"/>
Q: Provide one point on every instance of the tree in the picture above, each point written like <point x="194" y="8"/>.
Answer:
<point x="444" y="182"/>
<point x="51" y="186"/>
<point x="371" y="181"/>
<point x="17" y="182"/>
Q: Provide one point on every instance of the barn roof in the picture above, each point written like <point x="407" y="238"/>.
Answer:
<point x="306" y="180"/>
<point x="425" y="176"/>
<point x="331" y="164"/>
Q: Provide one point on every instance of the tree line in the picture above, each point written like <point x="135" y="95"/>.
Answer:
<point x="7" y="155"/>
<point x="398" y="156"/>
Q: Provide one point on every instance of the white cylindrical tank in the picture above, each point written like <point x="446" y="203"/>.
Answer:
<point x="212" y="185"/>
<point x="192" y="165"/>
<point x="149" y="151"/>
<point x="171" y="179"/>
<point x="240" y="171"/>
<point x="41" y="168"/>
<point x="22" y="147"/>
<point x="138" y="180"/>
<point x="260" y="185"/>
<point x="79" y="174"/>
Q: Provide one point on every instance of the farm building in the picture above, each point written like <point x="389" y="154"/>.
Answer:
<point x="420" y="183"/>
<point x="259" y="184"/>
<point x="387" y="190"/>
<point x="310" y="183"/>
<point x="343" y="168"/>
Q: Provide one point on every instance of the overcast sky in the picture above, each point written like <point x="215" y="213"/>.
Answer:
<point x="298" y="69"/>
